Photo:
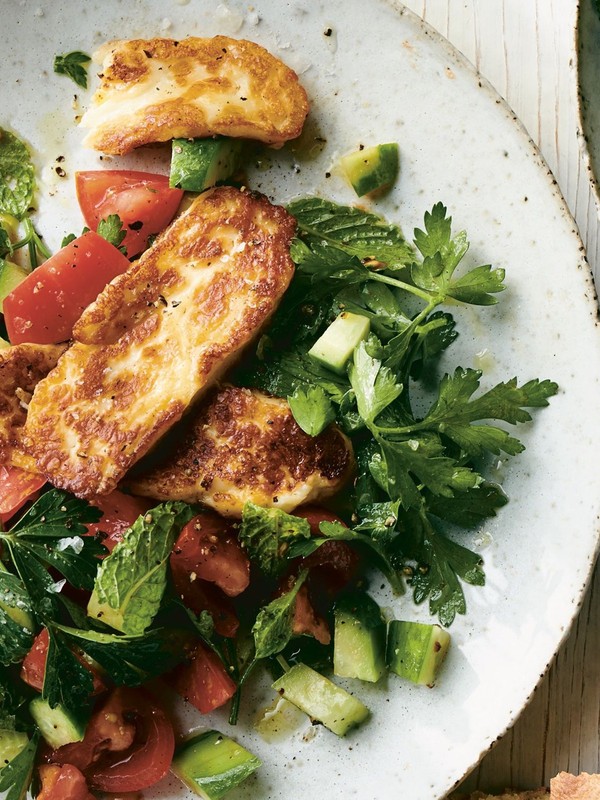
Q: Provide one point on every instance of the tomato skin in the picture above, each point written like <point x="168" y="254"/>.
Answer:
<point x="203" y="681"/>
<point x="119" y="512"/>
<point x="208" y="548"/>
<point x="44" y="307"/>
<point x="144" y="202"/>
<point x="127" y="769"/>
<point x="333" y="564"/>
<point x="63" y="783"/>
<point x="33" y="667"/>
<point x="17" y="487"/>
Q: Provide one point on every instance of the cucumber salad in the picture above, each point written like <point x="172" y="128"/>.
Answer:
<point x="246" y="539"/>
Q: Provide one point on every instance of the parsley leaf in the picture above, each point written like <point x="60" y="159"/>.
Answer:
<point x="312" y="409"/>
<point x="15" y="777"/>
<point x="131" y="581"/>
<point x="266" y="534"/>
<point x="71" y="64"/>
<point x="16" y="629"/>
<point x="67" y="683"/>
<point x="112" y="230"/>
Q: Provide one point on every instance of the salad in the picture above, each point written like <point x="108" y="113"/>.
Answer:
<point x="103" y="591"/>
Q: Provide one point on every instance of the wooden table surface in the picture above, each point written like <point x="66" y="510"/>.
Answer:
<point x="526" y="49"/>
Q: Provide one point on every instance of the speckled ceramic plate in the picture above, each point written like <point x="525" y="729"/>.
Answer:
<point x="588" y="73"/>
<point x="374" y="74"/>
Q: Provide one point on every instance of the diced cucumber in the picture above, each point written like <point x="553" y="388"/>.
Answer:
<point x="211" y="764"/>
<point x="321" y="699"/>
<point x="335" y="347"/>
<point x="372" y="168"/>
<point x="11" y="744"/>
<point x="416" y="650"/>
<point x="11" y="276"/>
<point x="359" y="638"/>
<point x="198" y="164"/>
<point x="16" y="619"/>
<point x="57" y="725"/>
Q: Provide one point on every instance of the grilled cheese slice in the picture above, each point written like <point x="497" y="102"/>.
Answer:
<point x="155" y="90"/>
<point x="158" y="337"/>
<point x="21" y="369"/>
<point x="243" y="445"/>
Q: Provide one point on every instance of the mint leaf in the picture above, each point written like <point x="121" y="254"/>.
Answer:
<point x="356" y="232"/>
<point x="71" y="64"/>
<point x="312" y="409"/>
<point x="16" y="629"/>
<point x="273" y="627"/>
<point x="111" y="229"/>
<point x="15" y="777"/>
<point x="131" y="581"/>
<point x="266" y="534"/>
<point x="17" y="177"/>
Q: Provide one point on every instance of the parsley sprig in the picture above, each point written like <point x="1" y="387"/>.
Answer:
<point x="415" y="472"/>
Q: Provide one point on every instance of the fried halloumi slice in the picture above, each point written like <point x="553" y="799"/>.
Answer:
<point x="154" y="90"/>
<point x="22" y="367"/>
<point x="158" y="337"/>
<point x="243" y="445"/>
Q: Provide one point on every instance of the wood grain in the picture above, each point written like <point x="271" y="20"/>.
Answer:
<point x="526" y="49"/>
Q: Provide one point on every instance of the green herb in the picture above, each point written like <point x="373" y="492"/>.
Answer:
<point x="112" y="230"/>
<point x="71" y="64"/>
<point x="16" y="629"/>
<point x="51" y="535"/>
<point x="17" y="187"/>
<point x="266" y="534"/>
<point x="312" y="409"/>
<point x="413" y="471"/>
<point x="131" y="581"/>
<point x="66" y="681"/>
<point x="273" y="627"/>
<point x="15" y="777"/>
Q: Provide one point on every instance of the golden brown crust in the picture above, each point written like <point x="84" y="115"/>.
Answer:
<point x="154" y="90"/>
<point x="242" y="445"/>
<point x="158" y="337"/>
<point x="21" y="368"/>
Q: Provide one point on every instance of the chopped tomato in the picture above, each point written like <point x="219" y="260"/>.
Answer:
<point x="128" y="743"/>
<point x="33" y="667"/>
<point x="143" y="201"/>
<point x="207" y="548"/>
<point x="17" y="487"/>
<point x="200" y="596"/>
<point x="307" y="620"/>
<point x="333" y="564"/>
<point x="119" y="512"/>
<point x="63" y="783"/>
<point x="203" y="681"/>
<point x="44" y="307"/>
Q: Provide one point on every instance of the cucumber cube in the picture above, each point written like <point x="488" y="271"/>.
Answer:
<point x="359" y="639"/>
<point x="198" y="164"/>
<point x="335" y="347"/>
<point x="57" y="725"/>
<point x="11" y="276"/>
<point x="11" y="744"/>
<point x="321" y="699"/>
<point x="416" y="650"/>
<point x="211" y="764"/>
<point x="372" y="168"/>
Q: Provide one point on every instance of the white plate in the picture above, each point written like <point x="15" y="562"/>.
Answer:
<point x="588" y="73"/>
<point x="383" y="76"/>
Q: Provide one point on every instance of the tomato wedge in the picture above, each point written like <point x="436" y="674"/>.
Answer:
<point x="208" y="549"/>
<point x="203" y="681"/>
<point x="128" y="744"/>
<point x="144" y="202"/>
<point x="119" y="512"/>
<point x="16" y="488"/>
<point x="333" y="564"/>
<point x="33" y="667"/>
<point x="44" y="307"/>
<point x="63" y="783"/>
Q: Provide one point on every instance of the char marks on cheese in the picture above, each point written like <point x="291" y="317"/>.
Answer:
<point x="243" y="445"/>
<point x="22" y="367"/>
<point x="159" y="89"/>
<point x="158" y="337"/>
